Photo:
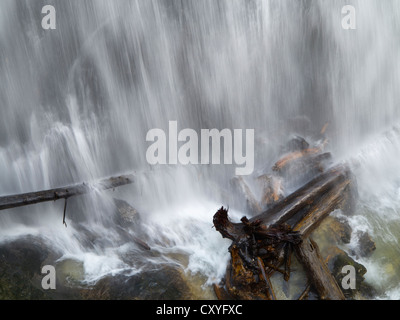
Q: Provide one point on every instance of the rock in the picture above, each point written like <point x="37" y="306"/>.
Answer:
<point x="126" y="214"/>
<point x="21" y="263"/>
<point x="20" y="266"/>
<point x="337" y="259"/>
<point x="296" y="144"/>
<point x="166" y="283"/>
<point x="128" y="224"/>
<point x="70" y="272"/>
<point x="332" y="231"/>
<point x="366" y="246"/>
<point x="344" y="230"/>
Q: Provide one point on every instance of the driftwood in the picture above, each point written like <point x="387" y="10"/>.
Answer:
<point x="299" y="203"/>
<point x="271" y="189"/>
<point x="280" y="165"/>
<point x="317" y="271"/>
<point x="263" y="244"/>
<point x="308" y="252"/>
<point x="240" y="185"/>
<point x="19" y="200"/>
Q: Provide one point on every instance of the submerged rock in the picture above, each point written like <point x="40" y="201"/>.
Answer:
<point x="70" y="272"/>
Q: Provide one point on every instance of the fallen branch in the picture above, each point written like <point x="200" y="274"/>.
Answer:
<point x="19" y="200"/>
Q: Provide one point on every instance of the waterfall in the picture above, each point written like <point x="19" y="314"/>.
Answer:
<point x="78" y="101"/>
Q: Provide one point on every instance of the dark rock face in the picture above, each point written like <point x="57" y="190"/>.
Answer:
<point x="366" y="246"/>
<point x="332" y="231"/>
<point x="296" y="143"/>
<point x="345" y="230"/>
<point x="163" y="284"/>
<point x="21" y="262"/>
<point x="340" y="259"/>
<point x="126" y="214"/>
<point x="20" y="267"/>
<point x="336" y="231"/>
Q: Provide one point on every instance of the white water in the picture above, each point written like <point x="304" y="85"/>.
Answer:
<point x="77" y="102"/>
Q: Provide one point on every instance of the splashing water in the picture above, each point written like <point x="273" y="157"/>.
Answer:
<point x="77" y="102"/>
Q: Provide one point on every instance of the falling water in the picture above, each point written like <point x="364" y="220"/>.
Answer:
<point x="77" y="102"/>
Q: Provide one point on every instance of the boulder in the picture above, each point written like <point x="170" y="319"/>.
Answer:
<point x="332" y="231"/>
<point x="165" y="283"/>
<point x="21" y="263"/>
<point x="126" y="214"/>
<point x="365" y="245"/>
<point x="336" y="260"/>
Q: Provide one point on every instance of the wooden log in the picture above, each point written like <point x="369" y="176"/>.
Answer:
<point x="330" y="201"/>
<point x="221" y="292"/>
<point x="271" y="189"/>
<point x="227" y="228"/>
<point x="302" y="160"/>
<point x="317" y="271"/>
<point x="314" y="197"/>
<point x="243" y="189"/>
<point x="240" y="281"/>
<point x="19" y="200"/>
<point x="305" y="293"/>
<point x="303" y="198"/>
<point x="301" y="213"/>
<point x="287" y="159"/>
<point x="308" y="253"/>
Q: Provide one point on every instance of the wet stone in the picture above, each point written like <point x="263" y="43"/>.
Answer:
<point x="165" y="283"/>
<point x="297" y="143"/>
<point x="366" y="246"/>
<point x="332" y="231"/>
<point x="337" y="259"/>
<point x="126" y="214"/>
<point x="21" y="263"/>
